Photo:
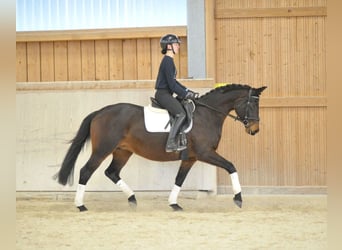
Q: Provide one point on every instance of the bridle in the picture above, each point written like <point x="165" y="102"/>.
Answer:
<point x="245" y="120"/>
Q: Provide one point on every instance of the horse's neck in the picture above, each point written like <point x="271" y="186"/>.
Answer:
<point x="224" y="105"/>
<point x="215" y="111"/>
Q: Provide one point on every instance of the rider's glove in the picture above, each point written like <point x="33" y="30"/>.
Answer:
<point x="191" y="95"/>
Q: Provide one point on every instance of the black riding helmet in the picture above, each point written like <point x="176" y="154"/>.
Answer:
<point x="168" y="39"/>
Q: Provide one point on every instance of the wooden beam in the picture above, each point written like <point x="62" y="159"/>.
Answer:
<point x="119" y="84"/>
<point x="270" y="12"/>
<point x="275" y="190"/>
<point x="300" y="101"/>
<point x="96" y="34"/>
<point x="265" y="102"/>
<point x="309" y="101"/>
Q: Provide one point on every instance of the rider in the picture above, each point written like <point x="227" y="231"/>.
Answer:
<point x="167" y="85"/>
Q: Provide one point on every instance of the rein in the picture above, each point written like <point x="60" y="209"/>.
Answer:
<point x="236" y="118"/>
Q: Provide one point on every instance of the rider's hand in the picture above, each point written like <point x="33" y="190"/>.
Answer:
<point x="191" y="95"/>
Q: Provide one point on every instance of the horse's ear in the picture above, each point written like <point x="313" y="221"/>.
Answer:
<point x="259" y="90"/>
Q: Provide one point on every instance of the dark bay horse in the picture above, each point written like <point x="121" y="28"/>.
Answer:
<point x="119" y="130"/>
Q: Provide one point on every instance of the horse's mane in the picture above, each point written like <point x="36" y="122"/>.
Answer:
<point x="226" y="88"/>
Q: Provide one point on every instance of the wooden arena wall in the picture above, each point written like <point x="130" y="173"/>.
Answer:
<point x="88" y="55"/>
<point x="280" y="44"/>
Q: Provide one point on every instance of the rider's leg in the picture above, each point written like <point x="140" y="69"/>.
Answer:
<point x="172" y="144"/>
<point x="176" y="109"/>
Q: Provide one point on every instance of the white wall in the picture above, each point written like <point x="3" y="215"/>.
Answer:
<point x="46" y="120"/>
<point x="33" y="15"/>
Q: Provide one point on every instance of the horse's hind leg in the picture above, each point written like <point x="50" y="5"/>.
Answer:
<point x="181" y="175"/>
<point x="120" y="157"/>
<point x="85" y="173"/>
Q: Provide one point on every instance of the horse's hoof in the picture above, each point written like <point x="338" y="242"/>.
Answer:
<point x="132" y="202"/>
<point x="176" y="207"/>
<point x="238" y="200"/>
<point x="82" y="208"/>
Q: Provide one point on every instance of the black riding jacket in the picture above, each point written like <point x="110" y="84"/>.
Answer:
<point x="166" y="78"/>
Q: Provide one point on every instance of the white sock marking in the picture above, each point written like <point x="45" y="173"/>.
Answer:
<point x="79" y="195"/>
<point x="174" y="194"/>
<point x="235" y="183"/>
<point x="125" y="188"/>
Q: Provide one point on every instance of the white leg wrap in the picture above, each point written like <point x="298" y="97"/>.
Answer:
<point x="235" y="183"/>
<point x="174" y="195"/>
<point x="125" y="188"/>
<point x="79" y="195"/>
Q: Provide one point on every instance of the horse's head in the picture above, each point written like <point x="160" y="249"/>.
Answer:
<point x="241" y="98"/>
<point x="247" y="110"/>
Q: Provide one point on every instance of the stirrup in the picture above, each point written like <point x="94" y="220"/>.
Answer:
<point x="174" y="147"/>
<point x="177" y="149"/>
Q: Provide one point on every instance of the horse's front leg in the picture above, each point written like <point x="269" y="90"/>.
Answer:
<point x="181" y="175"/>
<point x="213" y="158"/>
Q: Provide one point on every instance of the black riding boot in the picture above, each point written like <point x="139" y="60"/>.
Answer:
<point x="172" y="144"/>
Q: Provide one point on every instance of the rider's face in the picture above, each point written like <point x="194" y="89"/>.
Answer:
<point x="176" y="47"/>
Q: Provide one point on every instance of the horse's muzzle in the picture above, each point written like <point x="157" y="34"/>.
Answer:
<point x="252" y="128"/>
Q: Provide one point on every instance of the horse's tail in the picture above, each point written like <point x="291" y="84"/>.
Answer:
<point x="66" y="173"/>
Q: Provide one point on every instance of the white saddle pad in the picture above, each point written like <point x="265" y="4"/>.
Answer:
<point x="156" y="120"/>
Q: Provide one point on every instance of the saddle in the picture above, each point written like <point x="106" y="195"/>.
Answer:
<point x="158" y="119"/>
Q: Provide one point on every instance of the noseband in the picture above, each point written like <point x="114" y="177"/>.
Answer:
<point x="245" y="120"/>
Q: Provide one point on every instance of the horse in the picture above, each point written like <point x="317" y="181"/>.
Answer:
<point x="119" y="130"/>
